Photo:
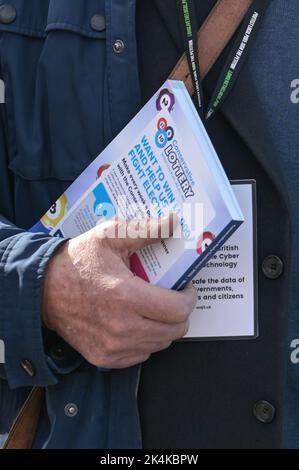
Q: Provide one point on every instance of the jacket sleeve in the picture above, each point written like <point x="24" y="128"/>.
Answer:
<point x="24" y="257"/>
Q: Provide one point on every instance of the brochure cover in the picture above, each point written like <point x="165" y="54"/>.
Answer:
<point x="163" y="161"/>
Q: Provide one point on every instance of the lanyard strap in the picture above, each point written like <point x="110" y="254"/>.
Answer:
<point x="236" y="57"/>
<point x="187" y="16"/>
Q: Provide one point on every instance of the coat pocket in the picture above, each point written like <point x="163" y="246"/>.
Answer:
<point x="53" y="62"/>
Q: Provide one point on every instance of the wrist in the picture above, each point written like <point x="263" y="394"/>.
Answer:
<point x="53" y="285"/>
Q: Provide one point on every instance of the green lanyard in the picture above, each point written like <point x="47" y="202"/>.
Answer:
<point x="236" y="58"/>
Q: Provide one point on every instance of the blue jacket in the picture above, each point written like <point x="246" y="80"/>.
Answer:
<point x="67" y="94"/>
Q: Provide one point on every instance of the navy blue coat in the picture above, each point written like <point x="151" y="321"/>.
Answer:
<point x="68" y="93"/>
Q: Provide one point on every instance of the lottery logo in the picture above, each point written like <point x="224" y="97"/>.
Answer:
<point x="56" y="213"/>
<point x="162" y="124"/>
<point x="161" y="139"/>
<point x="165" y="133"/>
<point x="204" y="242"/>
<point x="165" y="100"/>
<point x="169" y="132"/>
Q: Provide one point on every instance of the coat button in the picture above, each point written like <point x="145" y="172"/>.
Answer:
<point x="28" y="367"/>
<point x="98" y="23"/>
<point x="118" y="46"/>
<point x="264" y="411"/>
<point x="57" y="353"/>
<point x="71" y="410"/>
<point x="8" y="14"/>
<point x="272" y="267"/>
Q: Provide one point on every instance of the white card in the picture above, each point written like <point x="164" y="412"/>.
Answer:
<point x="227" y="297"/>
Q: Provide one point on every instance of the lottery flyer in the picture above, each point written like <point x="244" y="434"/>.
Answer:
<point x="163" y="161"/>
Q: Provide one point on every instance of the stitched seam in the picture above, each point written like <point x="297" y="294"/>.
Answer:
<point x="23" y="30"/>
<point x="14" y="240"/>
<point x="74" y="27"/>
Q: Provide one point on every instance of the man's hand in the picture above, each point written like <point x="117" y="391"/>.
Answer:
<point x="94" y="302"/>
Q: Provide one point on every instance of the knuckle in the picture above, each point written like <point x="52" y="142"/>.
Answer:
<point x="182" y="330"/>
<point x="144" y="358"/>
<point x="122" y="292"/>
<point x="164" y="346"/>
<point x="118" y="329"/>
<point x="104" y="240"/>
<point x="181" y="311"/>
<point x="109" y="346"/>
<point x="189" y="304"/>
<point x="96" y="360"/>
<point x="104" y="234"/>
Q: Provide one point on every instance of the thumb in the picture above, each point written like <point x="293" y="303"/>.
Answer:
<point x="144" y="232"/>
